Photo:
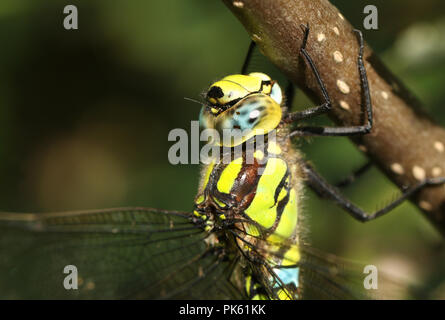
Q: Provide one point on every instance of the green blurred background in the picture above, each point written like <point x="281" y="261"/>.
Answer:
<point x="85" y="114"/>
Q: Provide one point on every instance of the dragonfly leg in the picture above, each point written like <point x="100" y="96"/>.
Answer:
<point x="290" y="94"/>
<point x="327" y="106"/>
<point x="354" y="175"/>
<point x="314" y="111"/>
<point x="248" y="57"/>
<point x="317" y="183"/>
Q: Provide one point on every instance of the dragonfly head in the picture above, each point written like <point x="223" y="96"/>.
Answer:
<point x="250" y="104"/>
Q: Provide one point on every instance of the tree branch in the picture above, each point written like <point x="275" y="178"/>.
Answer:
<point x="404" y="143"/>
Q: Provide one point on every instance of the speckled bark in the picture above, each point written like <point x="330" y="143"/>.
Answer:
<point x="405" y="143"/>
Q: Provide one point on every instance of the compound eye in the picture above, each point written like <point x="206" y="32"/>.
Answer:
<point x="256" y="114"/>
<point x="276" y="93"/>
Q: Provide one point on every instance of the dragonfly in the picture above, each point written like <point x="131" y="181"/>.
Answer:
<point x="244" y="238"/>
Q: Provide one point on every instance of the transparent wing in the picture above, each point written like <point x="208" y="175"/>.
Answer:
<point x="321" y="275"/>
<point x="149" y="254"/>
<point x="138" y="253"/>
<point x="325" y="276"/>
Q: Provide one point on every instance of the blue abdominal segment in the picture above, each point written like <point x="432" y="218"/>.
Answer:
<point x="288" y="275"/>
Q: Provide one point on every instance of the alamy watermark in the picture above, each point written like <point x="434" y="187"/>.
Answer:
<point x="226" y="146"/>
<point x="371" y="20"/>
<point x="71" y="20"/>
<point x="70" y="282"/>
<point x="371" y="280"/>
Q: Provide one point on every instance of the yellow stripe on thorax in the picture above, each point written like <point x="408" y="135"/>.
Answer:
<point x="263" y="209"/>
<point x="291" y="256"/>
<point x="288" y="221"/>
<point x="205" y="180"/>
<point x="273" y="147"/>
<point x="229" y="174"/>
<point x="209" y="170"/>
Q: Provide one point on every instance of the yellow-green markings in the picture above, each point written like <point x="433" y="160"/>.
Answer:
<point x="288" y="221"/>
<point x="263" y="208"/>
<point x="237" y="86"/>
<point x="229" y="174"/>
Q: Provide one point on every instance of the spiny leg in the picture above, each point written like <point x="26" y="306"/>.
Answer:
<point x="326" y="106"/>
<point x="248" y="57"/>
<point x="320" y="186"/>
<point x="290" y="88"/>
<point x="314" y="111"/>
<point x="289" y="94"/>
<point x="354" y="175"/>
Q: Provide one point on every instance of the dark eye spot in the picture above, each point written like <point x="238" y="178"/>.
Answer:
<point x="261" y="108"/>
<point x="265" y="83"/>
<point x="235" y="124"/>
<point x="215" y="92"/>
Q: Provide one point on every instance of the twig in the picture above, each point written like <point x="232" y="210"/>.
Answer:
<point x="404" y="143"/>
